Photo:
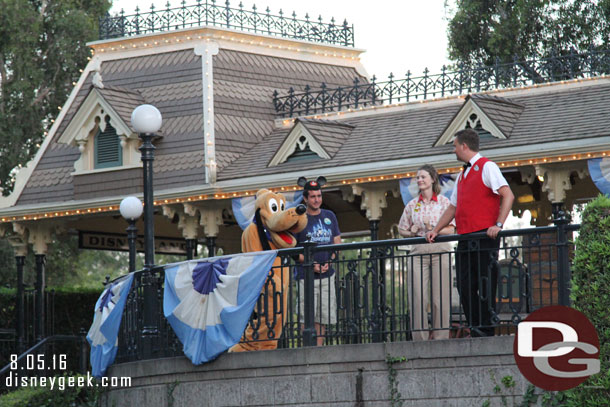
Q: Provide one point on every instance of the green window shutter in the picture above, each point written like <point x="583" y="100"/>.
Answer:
<point x="108" y="151"/>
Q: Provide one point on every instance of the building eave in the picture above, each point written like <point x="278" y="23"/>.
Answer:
<point x="506" y="157"/>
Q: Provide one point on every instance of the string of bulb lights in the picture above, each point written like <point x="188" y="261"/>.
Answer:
<point x="287" y="188"/>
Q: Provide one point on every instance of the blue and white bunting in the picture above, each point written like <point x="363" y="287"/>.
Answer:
<point x="208" y="302"/>
<point x="243" y="208"/>
<point x="410" y="190"/>
<point x="104" y="332"/>
<point x="599" y="169"/>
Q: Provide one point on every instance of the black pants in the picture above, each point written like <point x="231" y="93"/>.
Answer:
<point x="477" y="278"/>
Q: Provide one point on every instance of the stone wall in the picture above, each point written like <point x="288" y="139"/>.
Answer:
<point x="456" y="372"/>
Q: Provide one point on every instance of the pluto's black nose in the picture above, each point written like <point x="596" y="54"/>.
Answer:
<point x="301" y="209"/>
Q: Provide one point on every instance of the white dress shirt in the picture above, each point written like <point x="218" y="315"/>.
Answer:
<point x="492" y="177"/>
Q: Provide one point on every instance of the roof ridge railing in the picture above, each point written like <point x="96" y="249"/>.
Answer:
<point x="209" y="13"/>
<point x="558" y="66"/>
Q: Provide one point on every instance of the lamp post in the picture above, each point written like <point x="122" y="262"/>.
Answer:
<point x="131" y="209"/>
<point x="146" y="120"/>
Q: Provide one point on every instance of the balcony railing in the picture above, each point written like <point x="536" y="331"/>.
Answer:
<point x="210" y="14"/>
<point x="466" y="79"/>
<point x="372" y="282"/>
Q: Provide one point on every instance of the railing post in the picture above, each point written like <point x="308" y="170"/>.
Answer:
<point x="210" y="242"/>
<point x="20" y="328"/>
<point x="374" y="228"/>
<point x="150" y="330"/>
<point x="561" y="219"/>
<point x="191" y="248"/>
<point x="309" y="331"/>
<point x="376" y="306"/>
<point x="132" y="235"/>
<point x="40" y="300"/>
<point x="84" y="355"/>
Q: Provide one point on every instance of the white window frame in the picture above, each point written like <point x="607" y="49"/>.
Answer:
<point x="292" y="141"/>
<point x="463" y="118"/>
<point x="84" y="126"/>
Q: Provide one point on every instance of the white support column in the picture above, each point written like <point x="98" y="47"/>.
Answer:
<point x="207" y="50"/>
<point x="39" y="235"/>
<point x="374" y="197"/>
<point x="188" y="224"/>
<point x="374" y="201"/>
<point x="557" y="179"/>
<point x="210" y="217"/>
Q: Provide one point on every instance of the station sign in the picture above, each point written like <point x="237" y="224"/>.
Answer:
<point x="118" y="242"/>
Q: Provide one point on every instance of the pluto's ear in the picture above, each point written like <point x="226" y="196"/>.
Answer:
<point x="302" y="181"/>
<point x="321" y="181"/>
<point x="261" y="192"/>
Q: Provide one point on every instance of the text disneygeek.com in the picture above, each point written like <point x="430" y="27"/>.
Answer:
<point x="61" y="382"/>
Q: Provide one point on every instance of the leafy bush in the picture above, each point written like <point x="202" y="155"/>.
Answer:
<point x="72" y="313"/>
<point x="591" y="295"/>
<point x="73" y="308"/>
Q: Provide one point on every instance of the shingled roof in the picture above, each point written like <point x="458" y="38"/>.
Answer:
<point x="122" y="100"/>
<point x="331" y="134"/>
<point x="248" y="132"/>
<point x="503" y="112"/>
<point x="243" y="95"/>
<point x="172" y="81"/>
<point x="535" y="117"/>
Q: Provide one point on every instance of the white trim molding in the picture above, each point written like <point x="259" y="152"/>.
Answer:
<point x="462" y="119"/>
<point x="83" y="127"/>
<point x="299" y="137"/>
<point x="207" y="50"/>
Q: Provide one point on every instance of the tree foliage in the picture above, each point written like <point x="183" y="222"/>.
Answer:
<point x="66" y="265"/>
<point x="591" y="295"/>
<point x="487" y="31"/>
<point x="42" y="49"/>
<point x="69" y="266"/>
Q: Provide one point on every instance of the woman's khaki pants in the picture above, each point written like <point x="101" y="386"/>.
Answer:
<point x="429" y="273"/>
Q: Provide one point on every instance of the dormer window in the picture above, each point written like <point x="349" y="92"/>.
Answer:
<point x="302" y="151"/>
<point x="492" y="117"/>
<point x="299" y="145"/>
<point x="313" y="140"/>
<point x="108" y="150"/>
<point x="474" y="122"/>
<point x="104" y="138"/>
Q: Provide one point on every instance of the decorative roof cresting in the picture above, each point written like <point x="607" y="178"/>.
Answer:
<point x="211" y="14"/>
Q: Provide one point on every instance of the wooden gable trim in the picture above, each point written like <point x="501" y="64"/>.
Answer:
<point x="291" y="142"/>
<point x="461" y="119"/>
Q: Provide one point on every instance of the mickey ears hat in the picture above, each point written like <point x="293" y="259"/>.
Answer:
<point x="311" y="185"/>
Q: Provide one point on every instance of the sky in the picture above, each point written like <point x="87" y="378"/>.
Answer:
<point x="398" y="35"/>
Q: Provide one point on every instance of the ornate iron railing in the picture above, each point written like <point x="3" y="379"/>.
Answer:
<point x="209" y="13"/>
<point x="466" y="79"/>
<point x="372" y="283"/>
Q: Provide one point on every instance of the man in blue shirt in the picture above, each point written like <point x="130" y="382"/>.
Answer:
<point x="323" y="229"/>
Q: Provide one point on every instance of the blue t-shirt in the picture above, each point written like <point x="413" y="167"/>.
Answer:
<point x="322" y="229"/>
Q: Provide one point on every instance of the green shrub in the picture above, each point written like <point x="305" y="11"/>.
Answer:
<point x="46" y="397"/>
<point x="73" y="309"/>
<point x="73" y="312"/>
<point x="591" y="295"/>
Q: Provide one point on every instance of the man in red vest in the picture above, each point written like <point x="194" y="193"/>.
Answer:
<point x="480" y="202"/>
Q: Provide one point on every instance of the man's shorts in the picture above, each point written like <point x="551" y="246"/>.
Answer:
<point x="325" y="300"/>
